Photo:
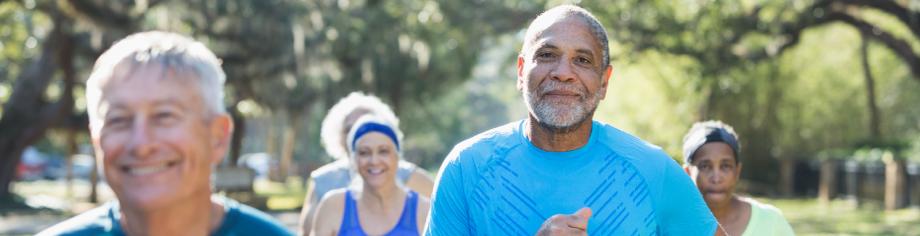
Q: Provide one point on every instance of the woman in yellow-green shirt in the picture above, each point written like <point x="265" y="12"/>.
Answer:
<point x="711" y="159"/>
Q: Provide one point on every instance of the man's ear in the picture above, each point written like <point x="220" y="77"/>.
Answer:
<point x="221" y="128"/>
<point x="520" y="73"/>
<point x="605" y="80"/>
<point x="687" y="169"/>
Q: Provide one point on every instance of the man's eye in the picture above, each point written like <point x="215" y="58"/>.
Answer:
<point x="582" y="60"/>
<point x="165" y="117"/>
<point x="545" y="55"/>
<point x="117" y="121"/>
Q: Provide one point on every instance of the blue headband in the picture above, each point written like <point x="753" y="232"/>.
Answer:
<point x="373" y="127"/>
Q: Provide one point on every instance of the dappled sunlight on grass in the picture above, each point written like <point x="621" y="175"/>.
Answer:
<point x="809" y="217"/>
<point x="281" y="196"/>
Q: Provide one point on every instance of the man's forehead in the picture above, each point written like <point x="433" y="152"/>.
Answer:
<point x="535" y="36"/>
<point x="151" y="84"/>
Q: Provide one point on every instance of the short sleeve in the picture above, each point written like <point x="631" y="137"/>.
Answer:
<point x="780" y="225"/>
<point x="681" y="209"/>
<point x="449" y="212"/>
<point x="404" y="170"/>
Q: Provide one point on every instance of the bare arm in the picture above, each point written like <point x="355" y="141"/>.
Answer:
<point x="309" y="208"/>
<point x="421" y="182"/>
<point x="332" y="209"/>
<point x="421" y="213"/>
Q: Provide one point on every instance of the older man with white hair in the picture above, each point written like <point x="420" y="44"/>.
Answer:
<point x="158" y="125"/>
<point x="559" y="172"/>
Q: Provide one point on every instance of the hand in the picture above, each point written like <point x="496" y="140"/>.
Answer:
<point x="563" y="225"/>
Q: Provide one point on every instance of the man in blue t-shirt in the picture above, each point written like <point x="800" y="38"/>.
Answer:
<point x="158" y="125"/>
<point x="558" y="172"/>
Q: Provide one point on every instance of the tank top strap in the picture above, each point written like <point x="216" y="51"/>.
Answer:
<point x="350" y="223"/>
<point x="408" y="220"/>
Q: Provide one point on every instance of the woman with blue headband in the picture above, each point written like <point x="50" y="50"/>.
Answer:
<point x="376" y="203"/>
<point x="711" y="159"/>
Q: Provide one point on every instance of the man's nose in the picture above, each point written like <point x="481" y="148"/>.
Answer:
<point x="563" y="71"/>
<point x="141" y="143"/>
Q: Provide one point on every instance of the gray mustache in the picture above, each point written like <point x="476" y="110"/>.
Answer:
<point x="557" y="86"/>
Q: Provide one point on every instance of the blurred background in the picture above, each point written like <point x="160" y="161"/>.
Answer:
<point x="823" y="93"/>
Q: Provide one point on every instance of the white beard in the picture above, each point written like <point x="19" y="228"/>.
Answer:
<point x="560" y="116"/>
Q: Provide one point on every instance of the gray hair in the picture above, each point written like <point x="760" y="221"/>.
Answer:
<point x="563" y="11"/>
<point x="169" y="50"/>
<point x="334" y="122"/>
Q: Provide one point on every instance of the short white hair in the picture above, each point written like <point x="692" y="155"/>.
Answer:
<point x="169" y="50"/>
<point x="332" y="130"/>
<point x="560" y="12"/>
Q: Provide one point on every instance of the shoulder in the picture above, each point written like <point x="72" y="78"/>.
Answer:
<point x="484" y="145"/>
<point x="645" y="156"/>
<point x="624" y="142"/>
<point x="767" y="218"/>
<point x="333" y="204"/>
<point x="334" y="196"/>
<point x="245" y="220"/>
<point x="332" y="208"/>
<point x="424" y="204"/>
<point x="330" y="176"/>
<point x="92" y="222"/>
<point x="333" y="170"/>
<point x="764" y="209"/>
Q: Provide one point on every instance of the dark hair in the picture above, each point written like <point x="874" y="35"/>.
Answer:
<point x="708" y="132"/>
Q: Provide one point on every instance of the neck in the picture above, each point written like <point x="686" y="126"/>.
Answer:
<point x="381" y="199"/>
<point x="193" y="216"/>
<point x="726" y="210"/>
<point x="553" y="140"/>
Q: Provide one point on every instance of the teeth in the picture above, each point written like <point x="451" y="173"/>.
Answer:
<point x="374" y="171"/>
<point x="148" y="169"/>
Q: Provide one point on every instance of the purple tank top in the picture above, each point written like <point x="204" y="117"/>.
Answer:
<point x="406" y="226"/>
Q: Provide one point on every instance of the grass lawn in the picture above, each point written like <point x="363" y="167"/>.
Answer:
<point x="841" y="217"/>
<point x="282" y="196"/>
<point x="807" y="216"/>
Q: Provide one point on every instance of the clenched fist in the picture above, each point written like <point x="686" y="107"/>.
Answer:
<point x="565" y="225"/>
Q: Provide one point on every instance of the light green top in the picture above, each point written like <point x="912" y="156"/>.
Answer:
<point x="766" y="220"/>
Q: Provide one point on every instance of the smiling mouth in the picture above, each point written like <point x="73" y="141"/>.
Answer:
<point x="150" y="169"/>
<point x="375" y="171"/>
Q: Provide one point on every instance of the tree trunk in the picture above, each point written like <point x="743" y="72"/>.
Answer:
<point x="787" y="176"/>
<point x="71" y="152"/>
<point x="828" y="184"/>
<point x="874" y="114"/>
<point x="894" y="182"/>
<point x="271" y="139"/>
<point x="292" y="126"/>
<point x="26" y="115"/>
<point x="94" y="182"/>
<point x="239" y="131"/>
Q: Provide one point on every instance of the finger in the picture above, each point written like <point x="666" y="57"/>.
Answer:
<point x="580" y="218"/>
<point x="584" y="213"/>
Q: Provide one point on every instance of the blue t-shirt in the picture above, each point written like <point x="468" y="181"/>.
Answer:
<point x="239" y="219"/>
<point x="499" y="183"/>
